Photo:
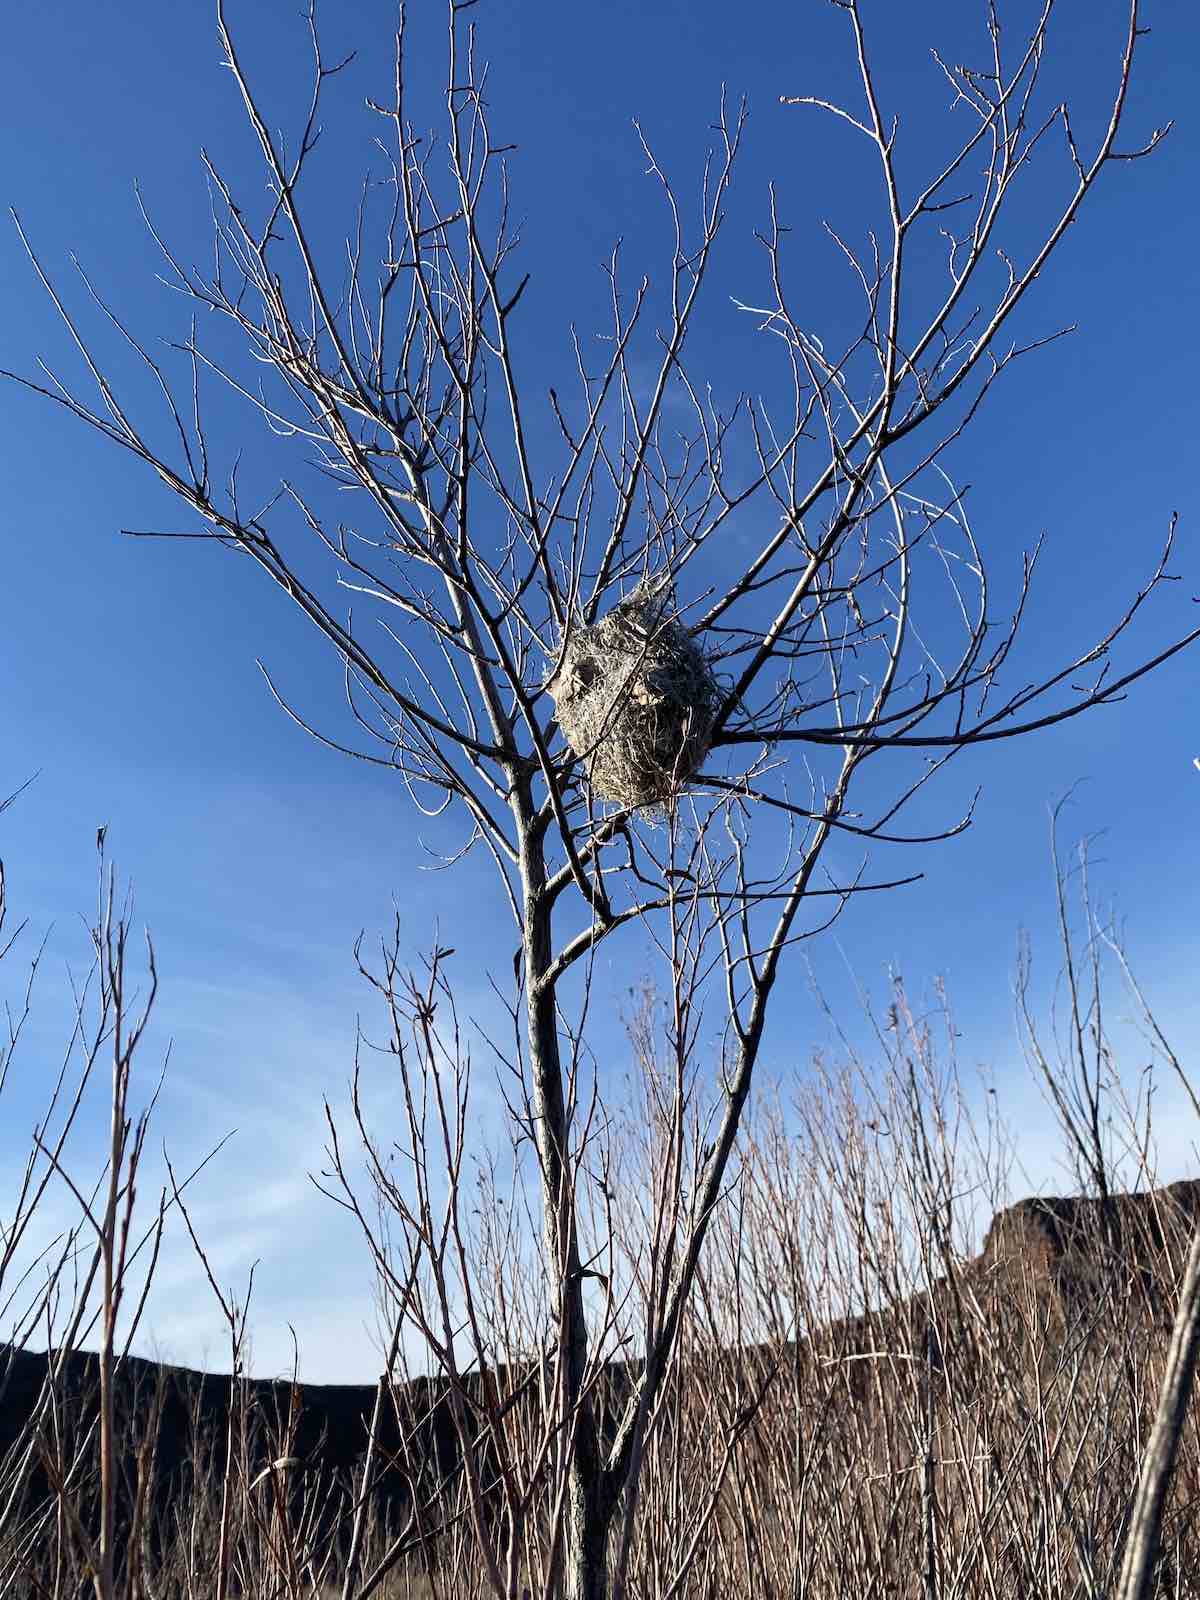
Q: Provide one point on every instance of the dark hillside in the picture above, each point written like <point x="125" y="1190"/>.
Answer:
<point x="1048" y="1269"/>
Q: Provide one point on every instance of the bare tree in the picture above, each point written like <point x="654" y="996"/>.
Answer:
<point x="564" y="655"/>
<point x="82" y="1281"/>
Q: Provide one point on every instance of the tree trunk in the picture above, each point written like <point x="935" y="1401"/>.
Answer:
<point x="586" y="1563"/>
<point x="585" y="1567"/>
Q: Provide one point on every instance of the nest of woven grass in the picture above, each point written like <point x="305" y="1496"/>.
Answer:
<point x="636" y="699"/>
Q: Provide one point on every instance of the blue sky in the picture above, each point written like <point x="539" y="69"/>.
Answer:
<point x="130" y="683"/>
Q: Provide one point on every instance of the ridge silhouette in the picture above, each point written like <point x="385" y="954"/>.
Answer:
<point x="1065" y="1251"/>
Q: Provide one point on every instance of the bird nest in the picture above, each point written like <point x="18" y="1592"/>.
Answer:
<point x="636" y="698"/>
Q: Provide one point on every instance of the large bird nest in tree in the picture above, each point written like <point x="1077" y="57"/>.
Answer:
<point x="636" y="698"/>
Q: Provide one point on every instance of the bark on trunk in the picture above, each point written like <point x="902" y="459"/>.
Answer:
<point x="585" y="1568"/>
